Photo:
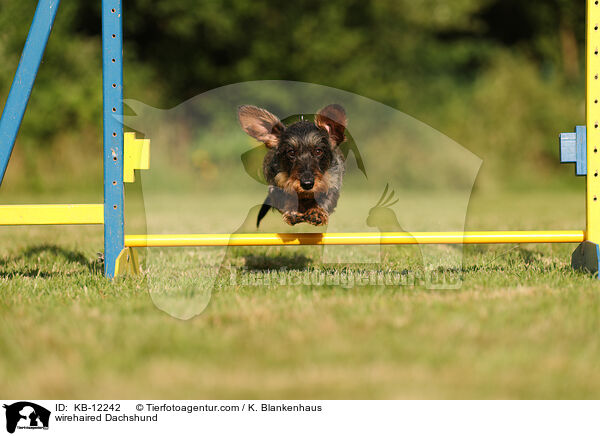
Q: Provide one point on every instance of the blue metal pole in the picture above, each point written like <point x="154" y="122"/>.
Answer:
<point x="20" y="90"/>
<point x="112" y="84"/>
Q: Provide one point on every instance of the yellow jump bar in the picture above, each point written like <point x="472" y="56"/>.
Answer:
<point x="29" y="214"/>
<point x="254" y="239"/>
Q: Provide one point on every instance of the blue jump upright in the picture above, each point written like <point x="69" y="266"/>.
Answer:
<point x="22" y="83"/>
<point x="112" y="84"/>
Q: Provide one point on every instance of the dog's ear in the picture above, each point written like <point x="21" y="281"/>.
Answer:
<point x="261" y="124"/>
<point x="333" y="119"/>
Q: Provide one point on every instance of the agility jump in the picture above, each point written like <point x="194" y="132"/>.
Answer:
<point x="123" y="154"/>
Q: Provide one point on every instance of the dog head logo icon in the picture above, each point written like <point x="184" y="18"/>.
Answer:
<point x="26" y="415"/>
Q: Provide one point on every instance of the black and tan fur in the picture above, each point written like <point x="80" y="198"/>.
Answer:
<point x="304" y="165"/>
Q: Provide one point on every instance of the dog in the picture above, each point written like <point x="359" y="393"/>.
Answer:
<point x="304" y="165"/>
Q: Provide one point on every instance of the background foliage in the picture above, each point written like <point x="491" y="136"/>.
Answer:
<point x="501" y="77"/>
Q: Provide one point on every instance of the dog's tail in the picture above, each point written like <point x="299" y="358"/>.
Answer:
<point x="263" y="211"/>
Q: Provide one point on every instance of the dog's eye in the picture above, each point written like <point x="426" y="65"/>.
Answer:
<point x="291" y="153"/>
<point x="318" y="152"/>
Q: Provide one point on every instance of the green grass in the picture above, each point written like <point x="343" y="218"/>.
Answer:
<point x="523" y="324"/>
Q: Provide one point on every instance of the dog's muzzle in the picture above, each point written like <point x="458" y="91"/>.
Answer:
<point x="307" y="183"/>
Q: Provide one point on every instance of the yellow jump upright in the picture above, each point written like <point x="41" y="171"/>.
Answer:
<point x="593" y="121"/>
<point x="587" y="255"/>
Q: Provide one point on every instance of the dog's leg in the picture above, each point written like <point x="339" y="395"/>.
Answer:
<point x="293" y="212"/>
<point x="285" y="203"/>
<point x="328" y="201"/>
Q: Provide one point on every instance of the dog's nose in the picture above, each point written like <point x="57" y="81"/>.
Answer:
<point x="307" y="184"/>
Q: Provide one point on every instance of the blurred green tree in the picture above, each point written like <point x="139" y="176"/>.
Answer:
<point x="430" y="58"/>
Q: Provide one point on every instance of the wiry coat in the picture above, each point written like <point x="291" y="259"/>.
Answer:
<point x="304" y="165"/>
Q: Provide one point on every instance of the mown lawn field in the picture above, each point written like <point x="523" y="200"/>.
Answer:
<point x="522" y="325"/>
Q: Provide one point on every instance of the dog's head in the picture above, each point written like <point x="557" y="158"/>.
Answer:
<point x="302" y="152"/>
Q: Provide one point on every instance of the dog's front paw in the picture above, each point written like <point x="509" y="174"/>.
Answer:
<point x="293" y="217"/>
<point x="316" y="216"/>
